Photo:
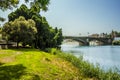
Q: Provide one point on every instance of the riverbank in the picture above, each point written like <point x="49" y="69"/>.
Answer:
<point x="106" y="56"/>
<point x="90" y="70"/>
<point x="33" y="64"/>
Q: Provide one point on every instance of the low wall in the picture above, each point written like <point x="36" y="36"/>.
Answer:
<point x="5" y="46"/>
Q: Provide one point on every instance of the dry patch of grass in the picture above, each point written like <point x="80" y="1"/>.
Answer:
<point x="65" y="66"/>
<point x="7" y="59"/>
<point x="7" y="56"/>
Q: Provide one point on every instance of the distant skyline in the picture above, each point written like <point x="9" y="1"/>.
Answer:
<point x="82" y="16"/>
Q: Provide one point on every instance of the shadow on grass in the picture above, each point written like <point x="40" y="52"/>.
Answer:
<point x="11" y="72"/>
<point x="1" y="63"/>
<point x="36" y="77"/>
<point x="15" y="72"/>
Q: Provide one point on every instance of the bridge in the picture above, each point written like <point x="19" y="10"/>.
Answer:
<point x="86" y="39"/>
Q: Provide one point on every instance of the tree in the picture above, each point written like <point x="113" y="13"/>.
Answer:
<point x="58" y="37"/>
<point x="20" y="30"/>
<point x="36" y="4"/>
<point x="46" y="36"/>
<point x="40" y="4"/>
<point x="116" y="33"/>
<point x="2" y="19"/>
<point x="9" y="4"/>
<point x="113" y="34"/>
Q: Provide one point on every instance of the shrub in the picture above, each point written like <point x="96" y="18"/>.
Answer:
<point x="116" y="42"/>
<point x="53" y="51"/>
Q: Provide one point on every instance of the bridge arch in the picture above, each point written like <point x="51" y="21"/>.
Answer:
<point x="86" y="40"/>
<point x="80" y="41"/>
<point x="95" y="42"/>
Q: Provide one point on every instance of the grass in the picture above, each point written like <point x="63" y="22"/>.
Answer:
<point x="89" y="70"/>
<point x="32" y="64"/>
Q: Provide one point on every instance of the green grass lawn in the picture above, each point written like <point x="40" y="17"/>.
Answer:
<point x="32" y="64"/>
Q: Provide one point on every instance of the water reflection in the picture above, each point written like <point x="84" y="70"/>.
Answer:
<point x="106" y="56"/>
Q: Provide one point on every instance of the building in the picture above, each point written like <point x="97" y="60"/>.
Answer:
<point x="94" y="35"/>
<point x="3" y="44"/>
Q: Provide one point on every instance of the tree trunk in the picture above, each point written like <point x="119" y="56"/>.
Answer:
<point x="17" y="44"/>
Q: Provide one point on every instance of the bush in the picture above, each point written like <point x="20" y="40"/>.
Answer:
<point x="116" y="42"/>
<point x="52" y="50"/>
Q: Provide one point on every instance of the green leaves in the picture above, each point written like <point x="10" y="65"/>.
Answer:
<point x="38" y="4"/>
<point x="42" y="4"/>
<point x="45" y="35"/>
<point x="20" y="30"/>
<point x="5" y="4"/>
<point x="2" y="19"/>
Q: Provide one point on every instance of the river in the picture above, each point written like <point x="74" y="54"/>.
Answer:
<point x="106" y="56"/>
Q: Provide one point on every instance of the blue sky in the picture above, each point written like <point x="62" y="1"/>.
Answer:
<point x="83" y="16"/>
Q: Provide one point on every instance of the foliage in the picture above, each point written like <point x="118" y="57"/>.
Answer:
<point x="46" y="36"/>
<point x="40" y="4"/>
<point x="116" y="42"/>
<point x="36" y="4"/>
<point x="114" y="34"/>
<point x="89" y="70"/>
<point x="8" y="4"/>
<point x="2" y="19"/>
<point x="20" y="30"/>
<point x="117" y="34"/>
<point x="0" y="30"/>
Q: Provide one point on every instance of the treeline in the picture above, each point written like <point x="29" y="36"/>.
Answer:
<point x="116" y="42"/>
<point x="117" y="34"/>
<point x="112" y="34"/>
<point x="27" y="27"/>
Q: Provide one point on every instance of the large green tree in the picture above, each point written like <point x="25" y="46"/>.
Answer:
<point x="20" y="30"/>
<point x="46" y="36"/>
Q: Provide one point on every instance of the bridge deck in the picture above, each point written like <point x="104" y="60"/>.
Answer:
<point x="86" y="39"/>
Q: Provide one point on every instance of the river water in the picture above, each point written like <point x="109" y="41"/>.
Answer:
<point x="106" y="56"/>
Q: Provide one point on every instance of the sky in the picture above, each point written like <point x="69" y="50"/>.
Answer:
<point x="80" y="17"/>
